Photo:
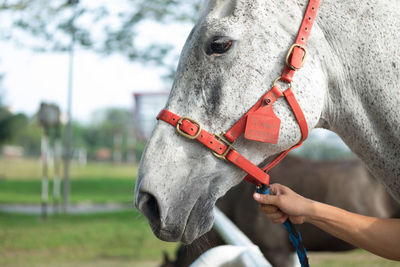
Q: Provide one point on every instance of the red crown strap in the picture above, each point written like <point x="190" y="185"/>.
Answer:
<point x="296" y="55"/>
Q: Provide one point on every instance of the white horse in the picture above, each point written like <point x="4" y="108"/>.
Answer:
<point x="349" y="84"/>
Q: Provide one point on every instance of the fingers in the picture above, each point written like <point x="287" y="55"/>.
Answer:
<point x="269" y="204"/>
<point x="273" y="213"/>
<point x="280" y="220"/>
<point x="268" y="208"/>
<point x="265" y="199"/>
<point x="278" y="189"/>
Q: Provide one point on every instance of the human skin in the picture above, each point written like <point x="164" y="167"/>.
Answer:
<point x="377" y="235"/>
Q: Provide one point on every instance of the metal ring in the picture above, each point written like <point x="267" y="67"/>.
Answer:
<point x="280" y="79"/>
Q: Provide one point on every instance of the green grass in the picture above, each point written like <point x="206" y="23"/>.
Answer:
<point x="353" y="258"/>
<point x="113" y="239"/>
<point x="31" y="169"/>
<point x="20" y="182"/>
<point x="99" y="190"/>
<point x="121" y="238"/>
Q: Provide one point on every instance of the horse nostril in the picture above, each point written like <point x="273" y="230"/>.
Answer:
<point x="149" y="206"/>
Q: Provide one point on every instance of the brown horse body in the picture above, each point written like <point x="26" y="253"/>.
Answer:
<point x="343" y="183"/>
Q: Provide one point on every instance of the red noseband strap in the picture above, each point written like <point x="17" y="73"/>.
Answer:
<point x="218" y="146"/>
<point x="260" y="123"/>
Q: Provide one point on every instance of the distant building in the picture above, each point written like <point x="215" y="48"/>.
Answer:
<point x="10" y="151"/>
<point x="146" y="108"/>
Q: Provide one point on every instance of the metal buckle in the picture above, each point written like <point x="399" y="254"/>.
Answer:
<point x="185" y="134"/>
<point x="226" y="142"/>
<point x="290" y="53"/>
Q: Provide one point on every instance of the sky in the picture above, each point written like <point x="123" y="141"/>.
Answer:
<point x="99" y="81"/>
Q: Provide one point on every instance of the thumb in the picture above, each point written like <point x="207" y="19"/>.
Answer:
<point x="265" y="199"/>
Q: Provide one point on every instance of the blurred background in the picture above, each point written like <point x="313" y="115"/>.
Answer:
<point x="80" y="85"/>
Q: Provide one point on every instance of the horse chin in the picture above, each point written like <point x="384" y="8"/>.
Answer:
<point x="200" y="221"/>
<point x="196" y="227"/>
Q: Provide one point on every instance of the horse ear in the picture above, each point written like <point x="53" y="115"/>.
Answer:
<point x="219" y="8"/>
<point x="225" y="8"/>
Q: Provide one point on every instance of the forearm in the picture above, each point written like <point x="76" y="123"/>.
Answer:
<point x="379" y="236"/>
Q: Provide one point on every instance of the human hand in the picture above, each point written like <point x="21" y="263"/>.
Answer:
<point x="284" y="203"/>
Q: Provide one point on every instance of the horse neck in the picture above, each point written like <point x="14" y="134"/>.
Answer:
<point x="363" y="93"/>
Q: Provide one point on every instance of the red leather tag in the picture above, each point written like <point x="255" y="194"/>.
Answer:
<point x="263" y="126"/>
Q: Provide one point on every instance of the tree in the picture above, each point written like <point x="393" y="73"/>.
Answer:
<point x="107" y="125"/>
<point x="7" y="126"/>
<point x="106" y="29"/>
<point x="1" y="90"/>
<point x="27" y="133"/>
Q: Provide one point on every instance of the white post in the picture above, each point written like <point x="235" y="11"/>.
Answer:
<point x="57" y="175"/>
<point x="45" y="180"/>
<point x="240" y="251"/>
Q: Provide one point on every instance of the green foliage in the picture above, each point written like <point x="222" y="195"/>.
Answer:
<point x="26" y="132"/>
<point x="1" y="90"/>
<point x="114" y="239"/>
<point x="7" y="119"/>
<point x="20" y="182"/>
<point x="139" y="148"/>
<point x="17" y="129"/>
<point x="105" y="126"/>
<point x="103" y="189"/>
<point x="5" y="124"/>
<point x="11" y="125"/>
<point x="104" y="28"/>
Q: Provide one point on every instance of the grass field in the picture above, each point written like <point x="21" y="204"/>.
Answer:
<point x="113" y="239"/>
<point x="20" y="182"/>
<point x="119" y="239"/>
<point x="30" y="169"/>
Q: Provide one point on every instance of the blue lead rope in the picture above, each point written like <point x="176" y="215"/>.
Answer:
<point x="294" y="235"/>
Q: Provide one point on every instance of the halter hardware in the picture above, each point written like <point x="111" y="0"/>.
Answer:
<point x="290" y="53"/>
<point x="227" y="143"/>
<point x="280" y="78"/>
<point x="180" y="122"/>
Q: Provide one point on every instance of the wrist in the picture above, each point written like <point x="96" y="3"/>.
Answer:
<point x="311" y="211"/>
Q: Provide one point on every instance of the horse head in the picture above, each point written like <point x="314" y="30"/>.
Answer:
<point x="230" y="59"/>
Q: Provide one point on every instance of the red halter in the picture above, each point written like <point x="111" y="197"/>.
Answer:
<point x="260" y="123"/>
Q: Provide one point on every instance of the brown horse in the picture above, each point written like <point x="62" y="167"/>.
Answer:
<point x="342" y="183"/>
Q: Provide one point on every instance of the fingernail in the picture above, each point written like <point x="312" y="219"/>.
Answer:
<point x="257" y="195"/>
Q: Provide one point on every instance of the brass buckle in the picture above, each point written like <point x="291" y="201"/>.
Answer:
<point x="226" y="142"/>
<point x="185" y="134"/>
<point x="290" y="53"/>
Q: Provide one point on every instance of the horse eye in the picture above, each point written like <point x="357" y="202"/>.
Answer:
<point x="219" y="45"/>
